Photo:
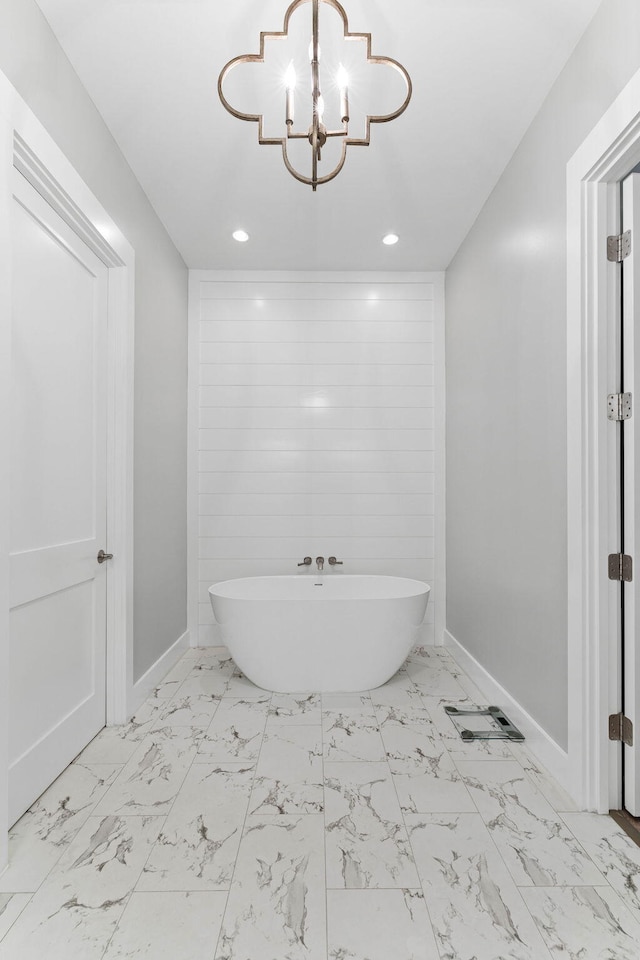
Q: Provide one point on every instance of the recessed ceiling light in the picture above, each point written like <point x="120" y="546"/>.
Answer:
<point x="240" y="235"/>
<point x="390" y="239"/>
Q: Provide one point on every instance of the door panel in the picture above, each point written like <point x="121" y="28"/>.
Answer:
<point x="631" y="366"/>
<point x="53" y="369"/>
<point x="57" y="684"/>
<point x="58" y="524"/>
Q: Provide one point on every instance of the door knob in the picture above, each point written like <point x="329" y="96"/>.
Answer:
<point x="102" y="556"/>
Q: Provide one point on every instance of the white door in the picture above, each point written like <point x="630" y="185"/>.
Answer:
<point x="631" y="475"/>
<point x="58" y="496"/>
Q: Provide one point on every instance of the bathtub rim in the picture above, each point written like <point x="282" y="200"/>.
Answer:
<point x="425" y="588"/>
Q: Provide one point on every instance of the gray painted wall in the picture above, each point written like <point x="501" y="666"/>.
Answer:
<point x="506" y="390"/>
<point x="36" y="65"/>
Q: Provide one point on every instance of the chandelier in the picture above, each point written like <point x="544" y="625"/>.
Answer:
<point x="317" y="133"/>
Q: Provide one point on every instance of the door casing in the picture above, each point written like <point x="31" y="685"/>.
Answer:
<point x="608" y="154"/>
<point x="25" y="144"/>
<point x="630" y="797"/>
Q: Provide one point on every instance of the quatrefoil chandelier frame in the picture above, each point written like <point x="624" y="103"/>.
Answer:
<point x="317" y="134"/>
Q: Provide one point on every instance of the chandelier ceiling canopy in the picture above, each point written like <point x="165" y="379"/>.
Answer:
<point x="329" y="116"/>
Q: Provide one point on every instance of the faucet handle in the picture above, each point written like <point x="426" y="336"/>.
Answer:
<point x="306" y="562"/>
<point x="335" y="563"/>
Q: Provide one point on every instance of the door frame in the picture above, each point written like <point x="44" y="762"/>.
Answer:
<point x="26" y="146"/>
<point x="594" y="172"/>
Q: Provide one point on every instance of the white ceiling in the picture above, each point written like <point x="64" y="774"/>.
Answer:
<point x="480" y="71"/>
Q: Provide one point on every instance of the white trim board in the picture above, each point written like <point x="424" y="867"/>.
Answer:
<point x="26" y="144"/>
<point x="610" y="151"/>
<point x="156" y="673"/>
<point x="193" y="365"/>
<point x="440" y="374"/>
<point x="6" y="172"/>
<point x="537" y="740"/>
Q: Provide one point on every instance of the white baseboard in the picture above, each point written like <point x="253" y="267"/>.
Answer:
<point x="545" y="749"/>
<point x="143" y="687"/>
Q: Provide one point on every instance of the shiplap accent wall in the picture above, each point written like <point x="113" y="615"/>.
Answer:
<point x="314" y="428"/>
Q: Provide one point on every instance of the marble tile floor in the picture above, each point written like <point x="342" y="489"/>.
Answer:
<point x="227" y="823"/>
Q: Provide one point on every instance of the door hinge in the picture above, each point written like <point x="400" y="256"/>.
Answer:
<point x="619" y="406"/>
<point x="620" y="567"/>
<point x="621" y="728"/>
<point x="619" y="247"/>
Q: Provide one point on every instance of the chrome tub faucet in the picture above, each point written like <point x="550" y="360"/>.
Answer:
<point x="320" y="562"/>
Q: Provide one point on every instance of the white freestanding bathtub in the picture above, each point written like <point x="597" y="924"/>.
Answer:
<point x="293" y="634"/>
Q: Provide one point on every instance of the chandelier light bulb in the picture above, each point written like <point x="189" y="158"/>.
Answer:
<point x="290" y="78"/>
<point x="290" y="83"/>
<point x="343" y="84"/>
